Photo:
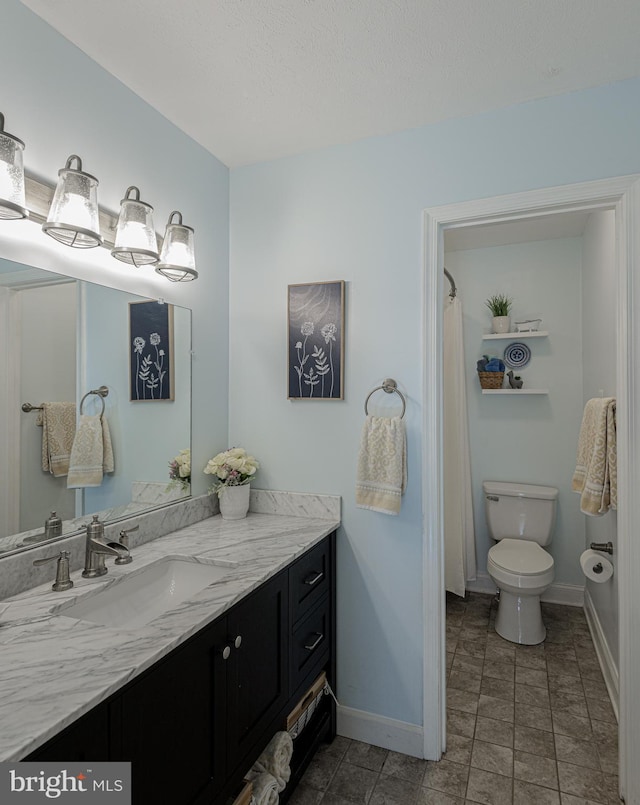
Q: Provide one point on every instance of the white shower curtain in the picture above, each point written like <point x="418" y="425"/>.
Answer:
<point x="459" y="535"/>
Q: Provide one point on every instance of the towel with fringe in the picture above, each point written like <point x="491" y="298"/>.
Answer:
<point x="382" y="465"/>
<point x="58" y="421"/>
<point x="92" y="452"/>
<point x="265" y="790"/>
<point x="275" y="760"/>
<point x="596" y="474"/>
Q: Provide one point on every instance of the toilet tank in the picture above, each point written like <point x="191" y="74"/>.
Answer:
<point x="520" y="511"/>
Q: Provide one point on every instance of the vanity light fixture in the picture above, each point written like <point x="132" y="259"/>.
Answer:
<point x="73" y="215"/>
<point x="136" y="242"/>
<point x="177" y="262"/>
<point x="12" y="200"/>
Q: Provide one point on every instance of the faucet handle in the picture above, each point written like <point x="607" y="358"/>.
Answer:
<point x="124" y="541"/>
<point x="62" y="582"/>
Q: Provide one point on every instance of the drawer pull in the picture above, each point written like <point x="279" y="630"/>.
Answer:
<point x="314" y="578"/>
<point x="226" y="653"/>
<point x="238" y="641"/>
<point x="316" y="642"/>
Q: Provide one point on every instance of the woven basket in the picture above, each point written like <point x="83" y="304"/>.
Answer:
<point x="491" y="380"/>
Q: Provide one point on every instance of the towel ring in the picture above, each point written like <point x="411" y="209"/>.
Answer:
<point x="102" y="392"/>
<point x="390" y="386"/>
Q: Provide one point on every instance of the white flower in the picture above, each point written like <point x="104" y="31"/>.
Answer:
<point x="138" y="344"/>
<point x="329" y="332"/>
<point x="299" y="345"/>
<point x="154" y="339"/>
<point x="233" y="467"/>
<point x="307" y="328"/>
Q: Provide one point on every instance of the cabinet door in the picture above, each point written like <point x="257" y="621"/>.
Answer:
<point x="257" y="667"/>
<point x="85" y="740"/>
<point x="170" y="724"/>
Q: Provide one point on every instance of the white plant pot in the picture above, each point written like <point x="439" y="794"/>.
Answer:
<point x="501" y="324"/>
<point x="234" y="501"/>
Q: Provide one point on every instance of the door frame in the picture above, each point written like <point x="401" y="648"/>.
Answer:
<point x="621" y="194"/>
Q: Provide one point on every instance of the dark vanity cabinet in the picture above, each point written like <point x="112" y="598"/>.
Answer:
<point x="193" y="723"/>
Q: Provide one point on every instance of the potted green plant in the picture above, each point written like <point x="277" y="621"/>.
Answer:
<point x="500" y="306"/>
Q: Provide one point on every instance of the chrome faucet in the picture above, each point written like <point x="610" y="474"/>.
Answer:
<point x="97" y="549"/>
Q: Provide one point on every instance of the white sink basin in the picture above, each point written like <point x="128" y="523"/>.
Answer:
<point x="143" y="595"/>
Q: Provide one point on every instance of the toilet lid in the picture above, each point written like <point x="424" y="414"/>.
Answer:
<point x="521" y="557"/>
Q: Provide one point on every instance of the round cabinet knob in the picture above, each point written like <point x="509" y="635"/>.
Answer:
<point x="226" y="653"/>
<point x="238" y="641"/>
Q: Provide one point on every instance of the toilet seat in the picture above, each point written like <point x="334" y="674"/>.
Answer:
<point x="521" y="557"/>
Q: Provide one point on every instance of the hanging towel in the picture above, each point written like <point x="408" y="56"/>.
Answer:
<point x="92" y="452"/>
<point x="382" y="465"/>
<point x="265" y="790"/>
<point x="58" y="421"/>
<point x="596" y="474"/>
<point x="275" y="760"/>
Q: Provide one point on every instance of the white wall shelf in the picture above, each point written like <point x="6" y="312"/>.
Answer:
<point x="494" y="336"/>
<point x="517" y="392"/>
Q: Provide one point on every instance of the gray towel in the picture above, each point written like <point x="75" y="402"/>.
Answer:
<point x="58" y="420"/>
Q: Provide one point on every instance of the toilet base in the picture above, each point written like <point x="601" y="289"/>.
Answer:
<point x="519" y="619"/>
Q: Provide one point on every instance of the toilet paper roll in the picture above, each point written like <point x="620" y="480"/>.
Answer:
<point x="596" y="567"/>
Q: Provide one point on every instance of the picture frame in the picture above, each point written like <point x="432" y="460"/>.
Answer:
<point x="315" y="330"/>
<point x="151" y="369"/>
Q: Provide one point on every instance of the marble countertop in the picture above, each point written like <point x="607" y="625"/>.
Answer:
<point x="53" y="668"/>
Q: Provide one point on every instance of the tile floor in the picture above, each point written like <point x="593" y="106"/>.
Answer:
<point x="529" y="725"/>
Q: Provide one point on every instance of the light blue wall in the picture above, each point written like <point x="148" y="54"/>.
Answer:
<point x="353" y="212"/>
<point x="60" y="102"/>
<point x="599" y="324"/>
<point x="144" y="435"/>
<point x="529" y="439"/>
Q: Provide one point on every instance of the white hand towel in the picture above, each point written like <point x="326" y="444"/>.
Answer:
<point x="382" y="465"/>
<point x="58" y="420"/>
<point x="91" y="454"/>
<point x="275" y="760"/>
<point x="596" y="474"/>
<point x="265" y="790"/>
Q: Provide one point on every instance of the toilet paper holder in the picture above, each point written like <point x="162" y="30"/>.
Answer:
<point x="605" y="547"/>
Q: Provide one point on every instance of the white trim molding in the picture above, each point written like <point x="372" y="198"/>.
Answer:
<point x="605" y="658"/>
<point x="621" y="194"/>
<point x="399" y="736"/>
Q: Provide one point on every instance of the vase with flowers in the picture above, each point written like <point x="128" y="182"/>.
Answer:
<point x="234" y="470"/>
<point x="180" y="471"/>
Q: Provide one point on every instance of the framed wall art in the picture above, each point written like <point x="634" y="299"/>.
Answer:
<point x="150" y="351"/>
<point x="315" y="314"/>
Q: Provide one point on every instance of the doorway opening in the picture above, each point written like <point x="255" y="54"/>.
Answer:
<point x="623" y="196"/>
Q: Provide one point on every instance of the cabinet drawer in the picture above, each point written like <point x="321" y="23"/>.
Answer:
<point x="309" y="579"/>
<point x="310" y="643"/>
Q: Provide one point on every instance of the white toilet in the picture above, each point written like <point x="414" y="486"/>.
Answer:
<point x="521" y="518"/>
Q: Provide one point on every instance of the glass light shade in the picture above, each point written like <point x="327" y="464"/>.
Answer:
<point x="135" y="236"/>
<point x="12" y="200"/>
<point x="73" y="215"/>
<point x="177" y="261"/>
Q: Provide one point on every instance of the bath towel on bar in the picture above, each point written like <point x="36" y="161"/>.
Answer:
<point x="92" y="452"/>
<point x="58" y="420"/>
<point x="275" y="760"/>
<point x="596" y="474"/>
<point x="382" y="465"/>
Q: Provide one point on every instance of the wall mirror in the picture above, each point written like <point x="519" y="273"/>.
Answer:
<point x="60" y="338"/>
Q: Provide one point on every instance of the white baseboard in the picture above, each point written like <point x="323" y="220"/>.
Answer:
<point x="605" y="658"/>
<point x="569" y="594"/>
<point x="399" y="736"/>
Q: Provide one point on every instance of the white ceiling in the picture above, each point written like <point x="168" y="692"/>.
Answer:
<point x="253" y="80"/>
